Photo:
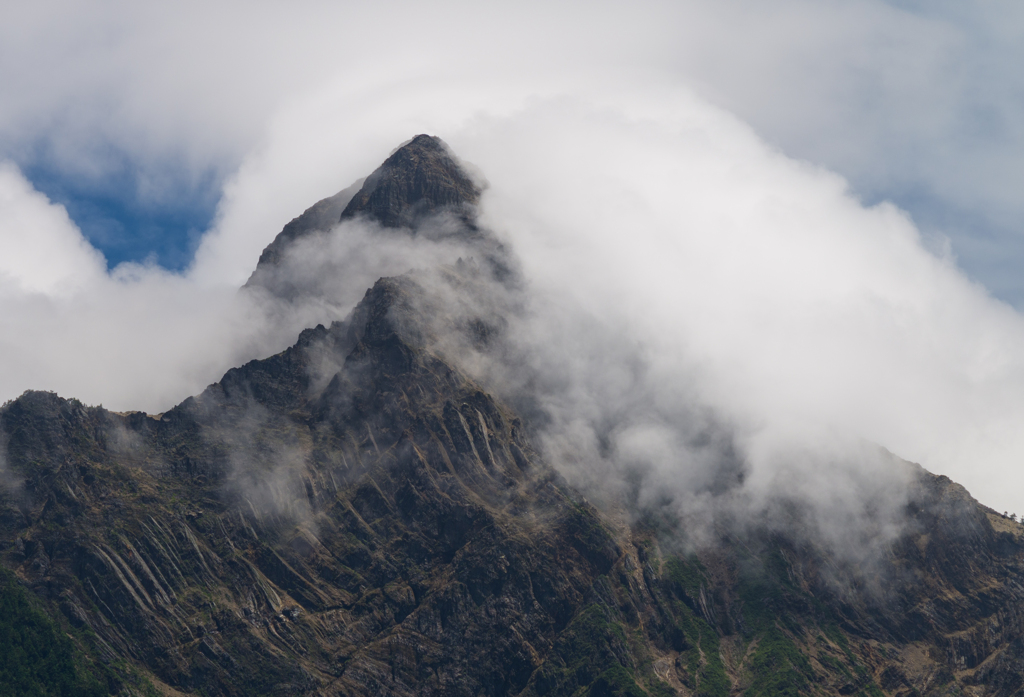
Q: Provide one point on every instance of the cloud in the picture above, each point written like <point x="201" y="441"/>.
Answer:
<point x="912" y="102"/>
<point x="43" y="251"/>
<point x="139" y="337"/>
<point x="758" y="285"/>
<point x="680" y="263"/>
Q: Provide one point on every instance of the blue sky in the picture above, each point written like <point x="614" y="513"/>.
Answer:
<point x="124" y="224"/>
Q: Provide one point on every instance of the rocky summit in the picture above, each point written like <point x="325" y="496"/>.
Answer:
<point x="356" y="515"/>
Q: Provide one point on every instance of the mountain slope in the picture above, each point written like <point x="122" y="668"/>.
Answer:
<point x="356" y="516"/>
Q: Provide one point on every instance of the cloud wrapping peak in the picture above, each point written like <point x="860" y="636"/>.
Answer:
<point x="759" y="287"/>
<point x="731" y="276"/>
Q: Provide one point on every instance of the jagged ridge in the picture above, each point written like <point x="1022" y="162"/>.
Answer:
<point x="355" y="516"/>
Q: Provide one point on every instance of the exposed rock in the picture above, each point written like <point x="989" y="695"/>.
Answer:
<point x="421" y="178"/>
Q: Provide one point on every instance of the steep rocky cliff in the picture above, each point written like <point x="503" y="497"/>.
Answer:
<point x="357" y="516"/>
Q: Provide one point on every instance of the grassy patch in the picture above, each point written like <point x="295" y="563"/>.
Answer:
<point x="711" y="678"/>
<point x="684" y="575"/>
<point x="778" y="667"/>
<point x="37" y="659"/>
<point x="587" y="658"/>
<point x="836" y="666"/>
<point x="701" y="653"/>
<point x="615" y="682"/>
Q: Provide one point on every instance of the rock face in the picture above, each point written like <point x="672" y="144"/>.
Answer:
<point x="356" y="516"/>
<point x="421" y="178"/>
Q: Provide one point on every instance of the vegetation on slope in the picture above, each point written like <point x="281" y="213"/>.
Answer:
<point x="37" y="659"/>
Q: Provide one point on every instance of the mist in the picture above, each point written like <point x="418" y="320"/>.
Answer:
<point x="699" y="301"/>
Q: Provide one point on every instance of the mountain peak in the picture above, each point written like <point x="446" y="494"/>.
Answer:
<point x="357" y="515"/>
<point x="420" y="178"/>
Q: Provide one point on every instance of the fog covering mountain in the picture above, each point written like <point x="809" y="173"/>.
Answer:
<point x="426" y="498"/>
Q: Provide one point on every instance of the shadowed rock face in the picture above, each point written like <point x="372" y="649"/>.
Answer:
<point x="355" y="516"/>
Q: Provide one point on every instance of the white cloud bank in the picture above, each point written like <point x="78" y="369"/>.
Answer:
<point x="913" y="101"/>
<point x="752" y="282"/>
<point x="43" y="251"/>
<point x="137" y="337"/>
